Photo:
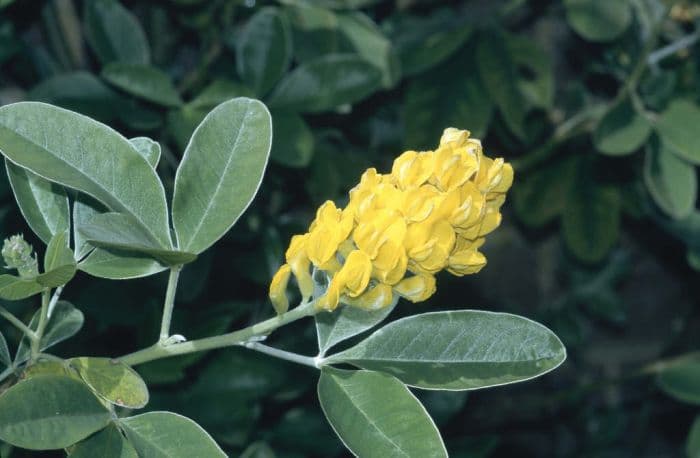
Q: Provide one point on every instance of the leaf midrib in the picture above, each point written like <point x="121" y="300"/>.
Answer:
<point x="432" y="361"/>
<point x="368" y="418"/>
<point x="210" y="204"/>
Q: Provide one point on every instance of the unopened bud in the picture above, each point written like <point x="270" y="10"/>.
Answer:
<point x="18" y="254"/>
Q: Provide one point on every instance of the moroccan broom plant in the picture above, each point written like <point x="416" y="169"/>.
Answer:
<point x="94" y="198"/>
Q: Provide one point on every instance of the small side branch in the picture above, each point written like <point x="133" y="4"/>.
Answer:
<point x="169" y="303"/>
<point x="672" y="48"/>
<point x="17" y="323"/>
<point x="282" y="354"/>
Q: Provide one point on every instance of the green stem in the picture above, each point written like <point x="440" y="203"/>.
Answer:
<point x="43" y="319"/>
<point x="169" y="303"/>
<point x="668" y="50"/>
<point x="282" y="354"/>
<point x="579" y="123"/>
<point x="54" y="300"/>
<point x="587" y="118"/>
<point x="641" y="65"/>
<point x="18" y="323"/>
<point x="240" y="337"/>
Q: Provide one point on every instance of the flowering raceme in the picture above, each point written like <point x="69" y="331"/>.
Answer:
<point x="431" y="213"/>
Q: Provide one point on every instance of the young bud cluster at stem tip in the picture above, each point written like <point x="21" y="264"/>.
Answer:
<point x="430" y="213"/>
<point x="18" y="254"/>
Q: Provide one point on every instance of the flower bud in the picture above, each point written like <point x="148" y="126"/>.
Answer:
<point x="18" y="254"/>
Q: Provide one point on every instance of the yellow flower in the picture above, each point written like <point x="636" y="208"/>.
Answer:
<point x="278" y="289"/>
<point x="417" y="288"/>
<point x="351" y="280"/>
<point x="456" y="136"/>
<point x="429" y="214"/>
<point x="454" y="165"/>
<point x="466" y="258"/>
<point x="377" y="298"/>
<point x="380" y="234"/>
<point x="299" y="263"/>
<point x="412" y="169"/>
<point x="330" y="228"/>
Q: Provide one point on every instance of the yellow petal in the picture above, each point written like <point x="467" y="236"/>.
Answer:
<point x="355" y="273"/>
<point x="456" y="136"/>
<point x="417" y="241"/>
<point x="300" y="265"/>
<point x="506" y="179"/>
<point x="466" y="262"/>
<point x="379" y="297"/>
<point x="418" y="203"/>
<point x="376" y="227"/>
<point x="490" y="222"/>
<point x="323" y="243"/>
<point x="436" y="261"/>
<point x="278" y="289"/>
<point x="417" y="288"/>
<point x="471" y="209"/>
<point x="412" y="169"/>
<point x="394" y="275"/>
<point x="329" y="301"/>
<point x="454" y="166"/>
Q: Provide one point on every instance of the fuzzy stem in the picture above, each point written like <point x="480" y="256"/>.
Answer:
<point x="282" y="354"/>
<point x="672" y="48"/>
<point x="18" y="323"/>
<point x="43" y="320"/>
<point x="169" y="303"/>
<point x="240" y="337"/>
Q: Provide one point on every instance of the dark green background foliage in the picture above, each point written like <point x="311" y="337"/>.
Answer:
<point x="596" y="102"/>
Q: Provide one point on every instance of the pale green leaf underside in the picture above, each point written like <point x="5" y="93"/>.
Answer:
<point x="374" y="414"/>
<point x="102" y="262"/>
<point x="118" y="232"/>
<point x="43" y="204"/>
<point x="78" y="152"/>
<point x="119" y="265"/>
<point x="148" y="148"/>
<point x="346" y="322"/>
<point x="220" y="172"/>
<point x="459" y="350"/>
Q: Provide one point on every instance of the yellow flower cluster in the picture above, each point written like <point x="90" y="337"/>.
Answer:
<point x="398" y="230"/>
